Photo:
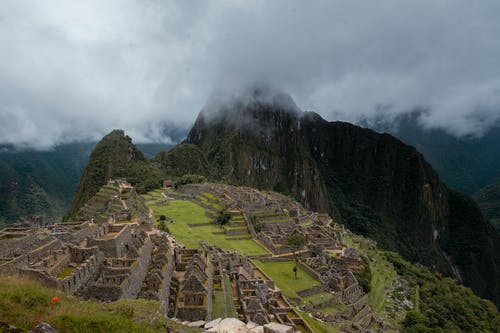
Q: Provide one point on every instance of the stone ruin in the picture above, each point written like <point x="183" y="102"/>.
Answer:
<point x="323" y="255"/>
<point x="30" y="221"/>
<point x="107" y="259"/>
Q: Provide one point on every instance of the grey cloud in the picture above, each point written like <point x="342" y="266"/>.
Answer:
<point x="73" y="71"/>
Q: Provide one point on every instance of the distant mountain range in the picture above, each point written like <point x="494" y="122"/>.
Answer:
<point x="468" y="165"/>
<point x="45" y="182"/>
<point x="465" y="164"/>
<point x="488" y="199"/>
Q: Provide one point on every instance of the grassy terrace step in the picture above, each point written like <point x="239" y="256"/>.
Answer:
<point x="235" y="227"/>
<point x="266" y="213"/>
<point x="209" y="200"/>
<point x="238" y="237"/>
<point x="306" y="223"/>
<point x="186" y="213"/>
<point x="237" y="223"/>
<point x="383" y="275"/>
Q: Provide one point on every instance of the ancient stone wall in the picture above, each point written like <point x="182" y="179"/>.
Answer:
<point x="167" y="280"/>
<point x="81" y="274"/>
<point x="115" y="245"/>
<point x="138" y="271"/>
<point x="11" y="247"/>
<point x="104" y="292"/>
<point x="14" y="265"/>
<point x="34" y="274"/>
<point x="363" y="317"/>
<point x="310" y="291"/>
<point x="44" y="251"/>
<point x="309" y="270"/>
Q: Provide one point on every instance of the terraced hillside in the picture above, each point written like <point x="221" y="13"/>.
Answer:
<point x="193" y="220"/>
<point x="393" y="290"/>
<point x="117" y="200"/>
<point x="193" y="213"/>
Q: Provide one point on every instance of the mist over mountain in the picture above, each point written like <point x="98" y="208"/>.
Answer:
<point x="488" y="198"/>
<point x="465" y="164"/>
<point x="40" y="183"/>
<point x="136" y="66"/>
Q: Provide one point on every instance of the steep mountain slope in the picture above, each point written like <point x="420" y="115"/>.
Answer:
<point x="488" y="199"/>
<point x="374" y="183"/>
<point x="184" y="158"/>
<point x="465" y="164"/>
<point x="114" y="156"/>
<point x="43" y="183"/>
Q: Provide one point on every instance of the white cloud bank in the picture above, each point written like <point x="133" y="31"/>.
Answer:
<point x="75" y="70"/>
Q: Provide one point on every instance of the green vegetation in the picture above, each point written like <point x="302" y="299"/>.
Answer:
<point x="282" y="273"/>
<point x="190" y="179"/>
<point x="356" y="194"/>
<point x="222" y="218"/>
<point x="210" y="200"/>
<point x="66" y="272"/>
<point x="22" y="300"/>
<point x="223" y="303"/>
<point x="296" y="240"/>
<point x="383" y="275"/>
<point x="488" y="199"/>
<point x="228" y="298"/>
<point x="364" y="276"/>
<point x="444" y="305"/>
<point x="218" y="305"/>
<point x="162" y="225"/>
<point x="191" y="225"/>
<point x="184" y="159"/>
<point x="378" y="274"/>
<point x="318" y="326"/>
<point x="40" y="182"/>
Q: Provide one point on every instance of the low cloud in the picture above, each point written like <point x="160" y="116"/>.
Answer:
<point x="73" y="71"/>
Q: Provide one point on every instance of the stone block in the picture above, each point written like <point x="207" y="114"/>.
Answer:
<point x="198" y="323"/>
<point x="213" y="323"/>
<point x="278" y="328"/>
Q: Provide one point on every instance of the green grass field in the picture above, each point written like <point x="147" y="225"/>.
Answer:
<point x="186" y="212"/>
<point x="282" y="274"/>
<point x="318" y="326"/>
<point x="218" y="305"/>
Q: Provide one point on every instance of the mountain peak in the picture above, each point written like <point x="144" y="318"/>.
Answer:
<point x="109" y="159"/>
<point x="249" y="100"/>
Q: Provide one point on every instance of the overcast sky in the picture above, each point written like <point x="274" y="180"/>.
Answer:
<point x="73" y="70"/>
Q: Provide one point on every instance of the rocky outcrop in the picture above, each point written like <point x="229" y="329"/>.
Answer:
<point x="44" y="328"/>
